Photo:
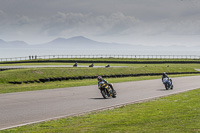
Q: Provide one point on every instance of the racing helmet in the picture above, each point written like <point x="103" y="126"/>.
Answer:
<point x="164" y="74"/>
<point x="99" y="78"/>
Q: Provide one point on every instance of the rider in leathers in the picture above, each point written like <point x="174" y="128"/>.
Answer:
<point x="165" y="76"/>
<point x="99" y="78"/>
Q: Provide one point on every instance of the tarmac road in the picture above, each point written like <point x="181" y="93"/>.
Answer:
<point x="17" y="109"/>
<point x="42" y="66"/>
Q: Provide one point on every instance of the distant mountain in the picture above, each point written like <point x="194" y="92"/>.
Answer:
<point x="13" y="44"/>
<point x="2" y="41"/>
<point x="80" y="42"/>
<point x="74" y="42"/>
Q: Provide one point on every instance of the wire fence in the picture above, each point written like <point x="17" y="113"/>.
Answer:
<point x="102" y="56"/>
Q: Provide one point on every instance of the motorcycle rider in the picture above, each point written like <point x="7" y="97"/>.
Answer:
<point x="100" y="79"/>
<point x="164" y="76"/>
<point x="75" y="64"/>
<point x="91" y="65"/>
<point x="169" y="79"/>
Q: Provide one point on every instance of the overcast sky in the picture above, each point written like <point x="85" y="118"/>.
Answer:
<point x="147" y="22"/>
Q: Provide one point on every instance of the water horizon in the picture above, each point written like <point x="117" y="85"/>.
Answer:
<point x="25" y="52"/>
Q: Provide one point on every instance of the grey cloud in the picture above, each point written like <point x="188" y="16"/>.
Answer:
<point x="105" y="18"/>
<point x="2" y="16"/>
<point x="170" y="27"/>
<point x="2" y="13"/>
<point x="22" y="20"/>
<point x="115" y="23"/>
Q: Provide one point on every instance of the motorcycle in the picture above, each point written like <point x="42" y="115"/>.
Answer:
<point x="107" y="66"/>
<point x="106" y="90"/>
<point x="91" y="65"/>
<point x="168" y="83"/>
<point x="75" y="64"/>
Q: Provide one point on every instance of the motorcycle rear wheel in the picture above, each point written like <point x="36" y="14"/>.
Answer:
<point x="114" y="95"/>
<point x="105" y="93"/>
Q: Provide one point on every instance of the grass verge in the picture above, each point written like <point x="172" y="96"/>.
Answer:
<point x="175" y="113"/>
<point x="11" y="88"/>
<point x="33" y="74"/>
<point x="39" y="73"/>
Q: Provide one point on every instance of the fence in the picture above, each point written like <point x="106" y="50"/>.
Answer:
<point x="103" y="56"/>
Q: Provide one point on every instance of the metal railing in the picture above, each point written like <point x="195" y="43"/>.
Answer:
<point x="102" y="56"/>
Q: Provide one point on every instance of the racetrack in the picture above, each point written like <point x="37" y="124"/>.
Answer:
<point x="22" y="108"/>
<point x="44" y="66"/>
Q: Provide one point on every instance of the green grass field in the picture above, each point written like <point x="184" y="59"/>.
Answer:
<point x="37" y="73"/>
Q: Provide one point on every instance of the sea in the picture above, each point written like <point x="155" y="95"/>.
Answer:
<point x="130" y="53"/>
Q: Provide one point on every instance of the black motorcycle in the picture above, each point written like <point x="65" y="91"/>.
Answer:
<point x="75" y="64"/>
<point x="91" y="65"/>
<point x="107" y="90"/>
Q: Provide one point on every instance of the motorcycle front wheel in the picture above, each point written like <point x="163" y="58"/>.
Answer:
<point x="172" y="87"/>
<point x="166" y="87"/>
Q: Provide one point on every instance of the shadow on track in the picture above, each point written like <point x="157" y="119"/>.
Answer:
<point x="97" y="98"/>
<point x="161" y="90"/>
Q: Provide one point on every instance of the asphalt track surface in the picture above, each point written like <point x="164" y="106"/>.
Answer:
<point x="17" y="109"/>
<point x="44" y="66"/>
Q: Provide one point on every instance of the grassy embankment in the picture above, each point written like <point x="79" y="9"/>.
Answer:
<point x="173" y="114"/>
<point x="32" y="74"/>
<point x="38" y="73"/>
